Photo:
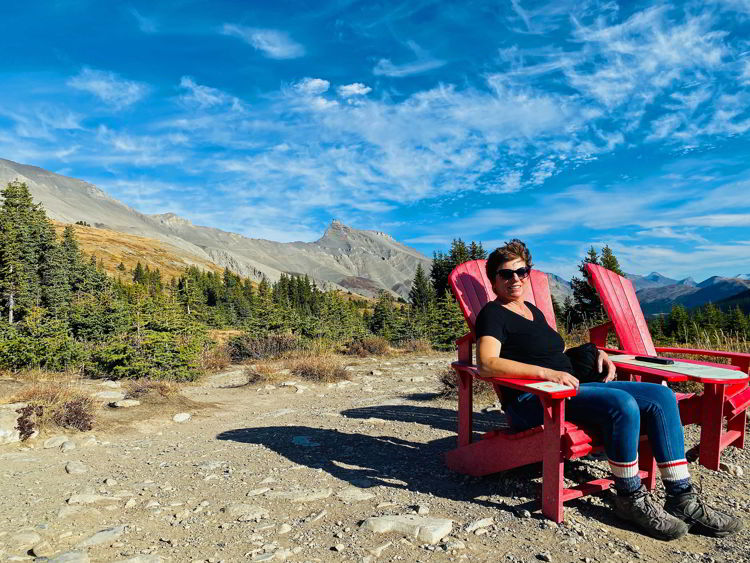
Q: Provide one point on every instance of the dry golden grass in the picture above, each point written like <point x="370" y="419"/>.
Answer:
<point x="323" y="367"/>
<point x="368" y="346"/>
<point x="215" y="358"/>
<point x="63" y="406"/>
<point x="416" y="346"/>
<point x="149" y="390"/>
<point x="112" y="247"/>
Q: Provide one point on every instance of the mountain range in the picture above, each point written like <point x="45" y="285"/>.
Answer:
<point x="360" y="261"/>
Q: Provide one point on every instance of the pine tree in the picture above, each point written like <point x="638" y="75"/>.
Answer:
<point x="587" y="306"/>
<point x="421" y="292"/>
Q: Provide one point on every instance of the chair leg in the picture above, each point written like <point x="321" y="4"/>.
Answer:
<point x="647" y="463"/>
<point x="465" y="408"/>
<point x="737" y="422"/>
<point x="552" y="470"/>
<point x="712" y="421"/>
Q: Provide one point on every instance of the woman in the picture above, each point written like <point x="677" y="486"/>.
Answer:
<point x="515" y="339"/>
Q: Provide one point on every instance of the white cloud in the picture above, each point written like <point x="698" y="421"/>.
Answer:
<point x="355" y="89"/>
<point x="109" y="87"/>
<point x="146" y="25"/>
<point x="206" y="96"/>
<point x="312" y="86"/>
<point x="271" y="42"/>
<point x="423" y="63"/>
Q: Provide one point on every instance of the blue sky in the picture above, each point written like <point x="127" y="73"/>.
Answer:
<point x="565" y="123"/>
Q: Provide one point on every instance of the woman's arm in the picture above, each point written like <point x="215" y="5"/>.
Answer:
<point x="490" y="364"/>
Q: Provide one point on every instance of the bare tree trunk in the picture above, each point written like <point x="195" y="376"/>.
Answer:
<point x="11" y="304"/>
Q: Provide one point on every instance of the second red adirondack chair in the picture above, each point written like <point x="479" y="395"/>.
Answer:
<point x="553" y="442"/>
<point x="709" y="409"/>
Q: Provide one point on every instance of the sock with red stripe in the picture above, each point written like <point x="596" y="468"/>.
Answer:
<point x="626" y="476"/>
<point x="675" y="476"/>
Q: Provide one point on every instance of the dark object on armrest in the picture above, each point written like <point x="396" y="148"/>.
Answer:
<point x="655" y="360"/>
<point x="583" y="358"/>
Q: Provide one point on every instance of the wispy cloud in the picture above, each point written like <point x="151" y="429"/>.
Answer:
<point x="272" y="43"/>
<point x="206" y="96"/>
<point x="145" y="24"/>
<point x="422" y="63"/>
<point x="109" y="87"/>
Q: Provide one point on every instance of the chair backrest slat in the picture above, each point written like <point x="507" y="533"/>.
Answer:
<point x="473" y="290"/>
<point x="618" y="297"/>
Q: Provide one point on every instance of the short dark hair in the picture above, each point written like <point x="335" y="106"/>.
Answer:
<point x="514" y="248"/>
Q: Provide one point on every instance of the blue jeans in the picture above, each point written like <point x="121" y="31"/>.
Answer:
<point x="618" y="409"/>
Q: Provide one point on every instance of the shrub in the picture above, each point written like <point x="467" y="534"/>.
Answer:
<point x="324" y="368"/>
<point x="141" y="388"/>
<point x="215" y="357"/>
<point x="54" y="405"/>
<point x="368" y="346"/>
<point x="417" y="345"/>
<point x="482" y="391"/>
<point x="246" y="347"/>
<point x="157" y="355"/>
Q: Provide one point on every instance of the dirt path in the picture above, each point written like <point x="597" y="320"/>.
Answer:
<point x="291" y="472"/>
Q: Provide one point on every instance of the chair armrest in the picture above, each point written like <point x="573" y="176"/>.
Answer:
<point x="738" y="358"/>
<point x="543" y="389"/>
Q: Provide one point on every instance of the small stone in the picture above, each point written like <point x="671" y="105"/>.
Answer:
<point x="256" y="492"/>
<point x="339" y="547"/>
<point x="182" y="417"/>
<point x="284" y="529"/>
<point x="55" y="442"/>
<point x="103" y="536"/>
<point x="109" y="396"/>
<point x="544" y="556"/>
<point x="75" y="468"/>
<point x="131" y="503"/>
<point x="376" y="372"/>
<point x="42" y="549"/>
<point x="88" y="441"/>
<point x="125" y="404"/>
<point x="732" y="469"/>
<point x="67" y="445"/>
<point x="422" y="510"/>
<point x="110" y="482"/>
<point x="149" y="558"/>
<point x="70" y="557"/>
<point x="25" y="539"/>
<point x="246" y="512"/>
<point x="477" y="524"/>
<point x="378" y="551"/>
<point x="427" y="530"/>
<point x="354" y="494"/>
<point x="454" y="545"/>
<point x="523" y="513"/>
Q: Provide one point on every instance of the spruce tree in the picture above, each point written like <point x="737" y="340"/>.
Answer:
<point x="587" y="306"/>
<point x="421" y="292"/>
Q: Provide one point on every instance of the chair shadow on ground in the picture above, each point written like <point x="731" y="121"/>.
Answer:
<point x="400" y="463"/>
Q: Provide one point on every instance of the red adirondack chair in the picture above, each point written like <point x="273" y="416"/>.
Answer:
<point x="718" y="401"/>
<point x="551" y="443"/>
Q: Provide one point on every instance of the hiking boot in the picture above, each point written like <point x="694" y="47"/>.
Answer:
<point x="639" y="508"/>
<point x="701" y="519"/>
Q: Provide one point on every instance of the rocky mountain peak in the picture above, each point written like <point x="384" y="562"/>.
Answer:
<point x="170" y="219"/>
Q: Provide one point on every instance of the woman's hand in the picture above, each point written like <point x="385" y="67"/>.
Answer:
<point x="605" y="365"/>
<point x="561" y="377"/>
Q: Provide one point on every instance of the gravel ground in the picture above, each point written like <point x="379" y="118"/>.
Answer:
<point x="301" y="472"/>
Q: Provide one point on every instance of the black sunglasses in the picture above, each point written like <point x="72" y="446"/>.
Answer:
<point x="507" y="274"/>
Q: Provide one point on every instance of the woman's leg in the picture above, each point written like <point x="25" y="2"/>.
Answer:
<point x="612" y="411"/>
<point x="660" y="416"/>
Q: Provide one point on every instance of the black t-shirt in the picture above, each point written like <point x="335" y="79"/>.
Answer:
<point x="531" y="342"/>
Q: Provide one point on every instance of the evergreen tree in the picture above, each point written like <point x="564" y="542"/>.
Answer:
<point x="587" y="306"/>
<point x="421" y="292"/>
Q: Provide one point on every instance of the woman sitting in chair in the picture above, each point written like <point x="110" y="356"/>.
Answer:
<point x="515" y="340"/>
